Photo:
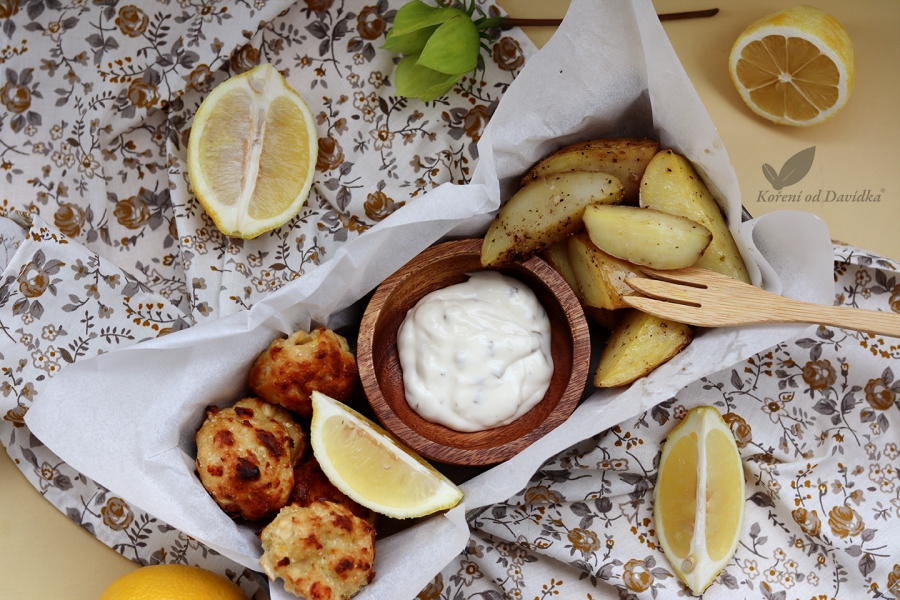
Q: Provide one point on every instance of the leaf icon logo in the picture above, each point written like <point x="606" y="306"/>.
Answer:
<point x="793" y="170"/>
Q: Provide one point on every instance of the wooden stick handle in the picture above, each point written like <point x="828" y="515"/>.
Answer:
<point x="869" y="321"/>
<point x="508" y="22"/>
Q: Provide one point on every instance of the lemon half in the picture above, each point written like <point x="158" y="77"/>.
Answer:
<point x="252" y="153"/>
<point x="366" y="463"/>
<point x="699" y="497"/>
<point x="794" y="67"/>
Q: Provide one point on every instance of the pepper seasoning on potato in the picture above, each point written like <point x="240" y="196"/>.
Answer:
<point x="290" y="370"/>
<point x="570" y="210"/>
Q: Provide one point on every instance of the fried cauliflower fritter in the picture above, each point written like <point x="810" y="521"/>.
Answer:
<point x="312" y="485"/>
<point x="246" y="456"/>
<point x="322" y="551"/>
<point x="289" y="370"/>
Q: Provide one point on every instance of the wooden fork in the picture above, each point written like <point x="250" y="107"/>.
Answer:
<point x="708" y="299"/>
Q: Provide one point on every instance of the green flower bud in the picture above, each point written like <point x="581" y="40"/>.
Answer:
<point x="441" y="44"/>
<point x="413" y="25"/>
<point x="415" y="81"/>
<point x="411" y="43"/>
<point x="453" y="48"/>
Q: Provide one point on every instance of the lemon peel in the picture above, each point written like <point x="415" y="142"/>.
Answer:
<point x="172" y="582"/>
<point x="698" y="501"/>
<point x="371" y="467"/>
<point x="794" y="67"/>
<point x="252" y="153"/>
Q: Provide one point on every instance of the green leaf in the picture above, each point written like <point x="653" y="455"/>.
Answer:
<point x="410" y="43"/>
<point x="453" y="48"/>
<point x="418" y="15"/>
<point x="415" y="81"/>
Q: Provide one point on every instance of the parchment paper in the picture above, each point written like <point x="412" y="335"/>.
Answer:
<point x="127" y="419"/>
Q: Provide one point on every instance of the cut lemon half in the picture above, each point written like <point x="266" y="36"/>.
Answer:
<point x="699" y="497"/>
<point x="369" y="465"/>
<point x="252" y="153"/>
<point x="794" y="67"/>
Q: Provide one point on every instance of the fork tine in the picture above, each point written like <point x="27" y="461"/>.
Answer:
<point x="723" y="301"/>
<point x="691" y="276"/>
<point x="690" y="315"/>
<point x="664" y="290"/>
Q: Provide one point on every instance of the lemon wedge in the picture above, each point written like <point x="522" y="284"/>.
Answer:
<point x="699" y="497"/>
<point x="794" y="67"/>
<point x="252" y="153"/>
<point x="369" y="465"/>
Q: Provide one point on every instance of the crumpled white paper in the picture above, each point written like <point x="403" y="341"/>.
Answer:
<point x="127" y="419"/>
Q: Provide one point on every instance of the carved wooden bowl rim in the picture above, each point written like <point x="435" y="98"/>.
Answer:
<point x="437" y="267"/>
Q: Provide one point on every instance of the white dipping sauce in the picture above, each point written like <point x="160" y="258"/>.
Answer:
<point x="476" y="355"/>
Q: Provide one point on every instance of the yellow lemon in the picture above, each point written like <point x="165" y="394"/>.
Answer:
<point x="172" y="582"/>
<point x="794" y="67"/>
<point x="369" y="465"/>
<point x="252" y="153"/>
<point x="699" y="497"/>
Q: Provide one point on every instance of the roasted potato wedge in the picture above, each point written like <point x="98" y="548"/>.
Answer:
<point x="646" y="237"/>
<point x="625" y="158"/>
<point x="557" y="256"/>
<point x="638" y="345"/>
<point x="671" y="184"/>
<point x="604" y="317"/>
<point x="600" y="277"/>
<point x="545" y="212"/>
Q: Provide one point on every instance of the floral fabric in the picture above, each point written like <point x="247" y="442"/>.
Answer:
<point x="816" y="422"/>
<point x="97" y="101"/>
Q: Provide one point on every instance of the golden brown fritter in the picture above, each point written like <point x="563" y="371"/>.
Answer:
<point x="289" y="370"/>
<point x="246" y="456"/>
<point x="312" y="485"/>
<point x="322" y="551"/>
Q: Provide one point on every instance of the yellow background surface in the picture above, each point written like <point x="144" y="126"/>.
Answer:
<point x="45" y="555"/>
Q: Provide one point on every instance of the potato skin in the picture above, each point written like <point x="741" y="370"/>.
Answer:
<point x="544" y="213"/>
<point x="671" y="184"/>
<point x="638" y="345"/>
<point x="557" y="256"/>
<point x="600" y="277"/>
<point x="646" y="237"/>
<point x="604" y="317"/>
<point x="626" y="158"/>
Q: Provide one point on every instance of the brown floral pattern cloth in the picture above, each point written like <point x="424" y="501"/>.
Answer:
<point x="96" y="103"/>
<point x="97" y="100"/>
<point x="815" y="418"/>
<point x="816" y="421"/>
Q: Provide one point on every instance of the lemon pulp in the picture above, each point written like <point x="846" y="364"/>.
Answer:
<point x="252" y="153"/>
<point x="699" y="497"/>
<point x="794" y="67"/>
<point x="360" y="459"/>
<point x="372" y="468"/>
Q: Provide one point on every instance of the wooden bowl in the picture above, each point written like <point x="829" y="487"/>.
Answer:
<point x="379" y="363"/>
